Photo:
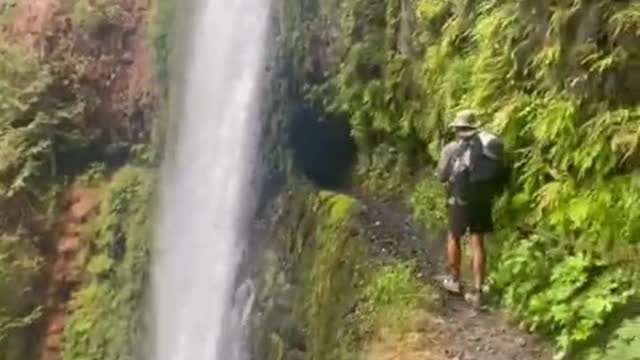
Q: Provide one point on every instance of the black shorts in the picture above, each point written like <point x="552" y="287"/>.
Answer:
<point x="474" y="217"/>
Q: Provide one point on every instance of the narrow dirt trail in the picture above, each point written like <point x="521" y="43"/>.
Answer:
<point x="459" y="331"/>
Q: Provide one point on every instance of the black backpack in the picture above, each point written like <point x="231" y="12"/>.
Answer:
<point x="478" y="169"/>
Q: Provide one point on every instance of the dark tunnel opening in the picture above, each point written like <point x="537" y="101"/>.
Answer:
<point x="323" y="149"/>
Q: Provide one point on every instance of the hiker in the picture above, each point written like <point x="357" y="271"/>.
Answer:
<point x="469" y="177"/>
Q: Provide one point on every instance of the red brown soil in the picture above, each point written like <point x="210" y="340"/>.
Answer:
<point x="120" y="74"/>
<point x="31" y="21"/>
<point x="117" y="55"/>
<point x="65" y="267"/>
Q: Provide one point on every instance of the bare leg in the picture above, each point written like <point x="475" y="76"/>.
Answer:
<point x="454" y="255"/>
<point x="478" y="252"/>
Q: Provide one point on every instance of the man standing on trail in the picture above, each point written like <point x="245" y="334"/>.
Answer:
<point x="464" y="170"/>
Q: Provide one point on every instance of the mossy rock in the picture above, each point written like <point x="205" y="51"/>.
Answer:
<point x="327" y="265"/>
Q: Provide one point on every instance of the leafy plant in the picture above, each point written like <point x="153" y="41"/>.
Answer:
<point x="392" y="295"/>
<point x="428" y="202"/>
<point x="93" y="15"/>
<point x="106" y="317"/>
<point x="95" y="174"/>
<point x="625" y="344"/>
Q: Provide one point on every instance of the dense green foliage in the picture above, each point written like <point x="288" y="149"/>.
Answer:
<point x="106" y="313"/>
<point x="37" y="126"/>
<point x="624" y="343"/>
<point x="559" y="83"/>
<point x="391" y="297"/>
<point x="49" y="134"/>
<point x="95" y="15"/>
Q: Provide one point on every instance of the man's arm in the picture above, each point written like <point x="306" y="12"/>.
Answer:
<point x="444" y="164"/>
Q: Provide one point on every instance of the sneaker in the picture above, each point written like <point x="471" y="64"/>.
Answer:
<point x="451" y="285"/>
<point x="474" y="297"/>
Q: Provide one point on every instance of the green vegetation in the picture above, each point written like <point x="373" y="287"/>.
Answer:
<point x="94" y="15"/>
<point x="37" y="126"/>
<point x="393" y="296"/>
<point x="555" y="81"/>
<point x="330" y="273"/>
<point x="317" y="237"/>
<point x="428" y="202"/>
<point x="48" y="140"/>
<point x="341" y="296"/>
<point x="624" y="344"/>
<point x="106" y="319"/>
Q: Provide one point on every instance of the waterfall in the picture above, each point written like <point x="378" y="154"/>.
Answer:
<point x="205" y="194"/>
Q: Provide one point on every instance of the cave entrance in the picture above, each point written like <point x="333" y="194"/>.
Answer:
<point x="323" y="149"/>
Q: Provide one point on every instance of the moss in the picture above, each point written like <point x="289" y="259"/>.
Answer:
<point x="106" y="312"/>
<point x="322" y="294"/>
<point x="338" y="207"/>
<point x="335" y="256"/>
<point x="318" y="241"/>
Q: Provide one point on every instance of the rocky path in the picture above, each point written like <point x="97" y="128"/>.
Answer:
<point x="460" y="332"/>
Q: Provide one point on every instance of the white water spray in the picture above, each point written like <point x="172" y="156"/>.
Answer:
<point x="205" y="191"/>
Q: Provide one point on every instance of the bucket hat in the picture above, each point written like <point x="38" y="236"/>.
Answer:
<point x="464" y="123"/>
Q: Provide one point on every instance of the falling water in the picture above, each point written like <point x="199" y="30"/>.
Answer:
<point x="199" y="312"/>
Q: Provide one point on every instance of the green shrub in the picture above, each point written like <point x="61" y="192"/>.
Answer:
<point x="392" y="296"/>
<point x="106" y="312"/>
<point x="95" y="174"/>
<point x="29" y="128"/>
<point x="429" y="203"/>
<point x="20" y="263"/>
<point x="625" y="343"/>
<point x="94" y="15"/>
